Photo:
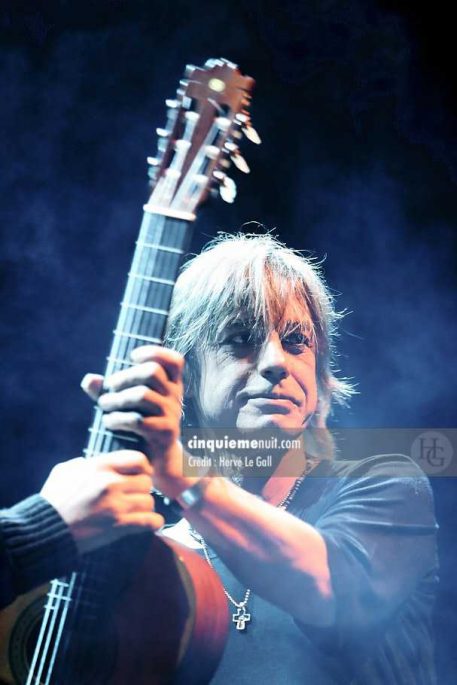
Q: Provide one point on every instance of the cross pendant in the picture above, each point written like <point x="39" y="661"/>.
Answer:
<point x="241" y="618"/>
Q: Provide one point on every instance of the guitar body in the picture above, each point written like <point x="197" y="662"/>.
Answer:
<point x="168" y="617"/>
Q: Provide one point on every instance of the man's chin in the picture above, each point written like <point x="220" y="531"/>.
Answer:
<point x="270" y="423"/>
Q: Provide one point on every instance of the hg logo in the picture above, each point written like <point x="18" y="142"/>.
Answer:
<point x="433" y="451"/>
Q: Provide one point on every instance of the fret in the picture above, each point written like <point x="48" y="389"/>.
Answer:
<point x="51" y="626"/>
<point x="111" y="442"/>
<point x="143" y="338"/>
<point x="110" y="434"/>
<point x="60" y="628"/>
<point x="165" y="267"/>
<point x="163" y="231"/>
<point x="61" y="583"/>
<point x="122" y="348"/>
<point x="143" y="325"/>
<point x="116" y="360"/>
<point x="55" y="605"/>
<point x="142" y="308"/>
<point x="152" y="279"/>
<point x="150" y="291"/>
<point x="161" y="248"/>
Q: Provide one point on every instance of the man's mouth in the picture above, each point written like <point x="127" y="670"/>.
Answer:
<point x="275" y="396"/>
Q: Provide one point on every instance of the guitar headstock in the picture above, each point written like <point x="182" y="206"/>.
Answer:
<point x="200" y="140"/>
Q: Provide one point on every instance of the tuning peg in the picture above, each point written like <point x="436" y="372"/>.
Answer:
<point x="153" y="164"/>
<point x="251" y="134"/>
<point x="190" y="68"/>
<point x="236" y="157"/>
<point x="212" y="151"/>
<point x="227" y="190"/>
<point x="223" y="123"/>
<point x="192" y="116"/>
<point x="242" y="117"/>
<point x="162" y="132"/>
<point x="240" y="162"/>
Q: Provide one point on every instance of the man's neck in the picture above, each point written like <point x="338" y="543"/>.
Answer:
<point x="291" y="467"/>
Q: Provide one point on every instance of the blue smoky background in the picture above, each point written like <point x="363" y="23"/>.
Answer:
<point x="355" y="103"/>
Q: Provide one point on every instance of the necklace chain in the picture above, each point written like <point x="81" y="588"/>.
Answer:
<point x="241" y="617"/>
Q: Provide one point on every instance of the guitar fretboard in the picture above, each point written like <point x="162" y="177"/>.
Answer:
<point x="144" y="308"/>
<point x="77" y="603"/>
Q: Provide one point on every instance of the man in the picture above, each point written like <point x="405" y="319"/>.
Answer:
<point x="330" y="565"/>
<point x="84" y="504"/>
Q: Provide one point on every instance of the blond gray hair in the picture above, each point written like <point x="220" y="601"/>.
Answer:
<point x="254" y="277"/>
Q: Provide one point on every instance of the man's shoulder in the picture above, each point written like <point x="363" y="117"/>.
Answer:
<point x="375" y="466"/>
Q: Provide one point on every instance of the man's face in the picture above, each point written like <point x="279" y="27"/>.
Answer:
<point x="253" y="383"/>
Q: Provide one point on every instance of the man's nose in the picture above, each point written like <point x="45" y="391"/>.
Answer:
<point x="272" y="359"/>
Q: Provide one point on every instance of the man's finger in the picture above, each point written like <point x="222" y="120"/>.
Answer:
<point x="139" y="398"/>
<point x="170" y="360"/>
<point x="126" y="462"/>
<point x="150" y="374"/>
<point x="92" y="384"/>
<point x="135" y="522"/>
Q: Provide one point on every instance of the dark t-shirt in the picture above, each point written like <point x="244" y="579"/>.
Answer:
<point x="377" y="519"/>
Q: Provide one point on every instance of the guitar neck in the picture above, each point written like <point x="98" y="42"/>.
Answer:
<point x="144" y="309"/>
<point x="204" y="124"/>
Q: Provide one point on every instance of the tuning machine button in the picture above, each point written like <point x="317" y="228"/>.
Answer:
<point x="153" y="162"/>
<point x="223" y="123"/>
<point x="236" y="157"/>
<point x="227" y="187"/>
<point x="250" y="133"/>
<point x="240" y="162"/>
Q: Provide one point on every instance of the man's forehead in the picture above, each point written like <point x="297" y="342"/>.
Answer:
<point x="295" y="315"/>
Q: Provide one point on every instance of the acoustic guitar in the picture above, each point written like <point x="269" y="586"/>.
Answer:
<point x="145" y="610"/>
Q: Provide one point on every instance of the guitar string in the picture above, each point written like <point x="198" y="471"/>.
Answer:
<point x="60" y="629"/>
<point x="53" y="604"/>
<point x="96" y="444"/>
<point x="41" y="636"/>
<point x="99" y="440"/>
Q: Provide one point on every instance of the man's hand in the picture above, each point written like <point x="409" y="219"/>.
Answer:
<point x="103" y="498"/>
<point x="146" y="399"/>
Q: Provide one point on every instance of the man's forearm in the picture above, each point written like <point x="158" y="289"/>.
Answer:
<point x="36" y="544"/>
<point x="281" y="558"/>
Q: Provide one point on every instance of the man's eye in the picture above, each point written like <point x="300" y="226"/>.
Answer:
<point x="240" y="338"/>
<point x="297" y="340"/>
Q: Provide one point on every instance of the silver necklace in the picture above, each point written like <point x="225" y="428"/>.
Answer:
<point x="241" y="616"/>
